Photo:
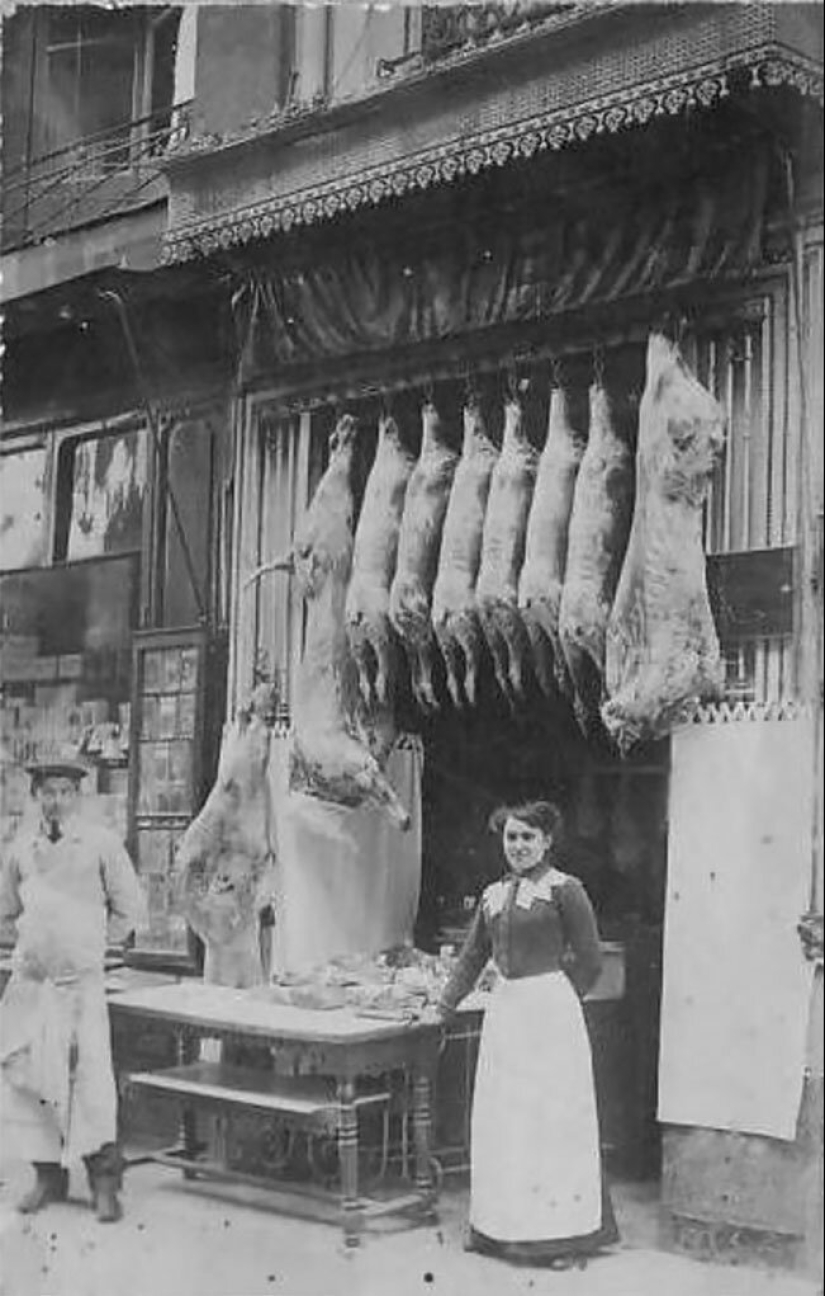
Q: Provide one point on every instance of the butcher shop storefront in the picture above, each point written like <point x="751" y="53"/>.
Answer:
<point x="520" y="453"/>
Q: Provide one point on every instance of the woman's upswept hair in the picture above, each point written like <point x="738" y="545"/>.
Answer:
<point x="545" y="815"/>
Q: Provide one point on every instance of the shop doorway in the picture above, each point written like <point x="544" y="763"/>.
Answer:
<point x="615" y="842"/>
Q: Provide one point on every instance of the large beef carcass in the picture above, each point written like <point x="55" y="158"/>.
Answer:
<point x="419" y="543"/>
<point x="662" y="650"/>
<point x="331" y="758"/>
<point x="597" y="540"/>
<point x="369" y="632"/>
<point x="455" y="615"/>
<point x="223" y="860"/>
<point x="337" y="751"/>
<point x="502" y="553"/>
<point x="545" y="555"/>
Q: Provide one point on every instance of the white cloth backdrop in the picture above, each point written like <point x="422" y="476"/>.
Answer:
<point x="348" y="881"/>
<point x="737" y="988"/>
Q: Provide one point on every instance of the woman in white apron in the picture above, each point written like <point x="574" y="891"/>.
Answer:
<point x="537" y="1189"/>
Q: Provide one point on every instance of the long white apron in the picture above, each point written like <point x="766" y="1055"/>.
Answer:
<point x="536" y="1166"/>
<point x="59" y="1101"/>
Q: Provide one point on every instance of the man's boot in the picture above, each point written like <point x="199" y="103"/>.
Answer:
<point x="105" y="1173"/>
<point x="51" y="1185"/>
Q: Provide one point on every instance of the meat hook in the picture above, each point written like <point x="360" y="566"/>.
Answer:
<point x="470" y="386"/>
<point x="286" y="563"/>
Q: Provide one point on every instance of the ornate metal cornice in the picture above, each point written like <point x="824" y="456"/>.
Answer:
<point x="198" y="226"/>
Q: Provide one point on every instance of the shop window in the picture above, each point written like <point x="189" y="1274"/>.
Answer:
<point x="65" y="636"/>
<point x="751" y="503"/>
<point x="750" y="514"/>
<point x="22" y="509"/>
<point x="101" y="487"/>
<point x="188" y="470"/>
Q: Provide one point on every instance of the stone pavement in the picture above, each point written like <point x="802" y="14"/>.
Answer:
<point x="195" y="1239"/>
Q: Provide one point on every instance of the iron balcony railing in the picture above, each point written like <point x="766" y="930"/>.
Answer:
<point x="452" y="29"/>
<point x="445" y="28"/>
<point x="91" y="178"/>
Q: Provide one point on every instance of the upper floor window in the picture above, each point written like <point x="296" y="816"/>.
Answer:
<point x="101" y="71"/>
<point x="87" y="110"/>
<point x="88" y="82"/>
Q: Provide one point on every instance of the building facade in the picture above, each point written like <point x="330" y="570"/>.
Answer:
<point x="115" y="416"/>
<point x="365" y="207"/>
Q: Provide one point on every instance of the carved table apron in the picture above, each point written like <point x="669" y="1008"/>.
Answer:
<point x="334" y="1043"/>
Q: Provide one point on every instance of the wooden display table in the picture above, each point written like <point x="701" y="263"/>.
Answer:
<point x="325" y="1065"/>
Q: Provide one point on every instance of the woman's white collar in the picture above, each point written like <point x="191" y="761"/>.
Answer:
<point x="526" y="891"/>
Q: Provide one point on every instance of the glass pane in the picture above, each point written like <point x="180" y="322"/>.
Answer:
<point x="59" y="113"/>
<point x="64" y="26"/>
<point x="165" y="928"/>
<point x="91" y="62"/>
<point x="106" y="91"/>
<point x="107" y="480"/>
<point x="22" y="509"/>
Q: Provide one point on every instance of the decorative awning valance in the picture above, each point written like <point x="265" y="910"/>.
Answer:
<point x="389" y="289"/>
<point x="603" y="69"/>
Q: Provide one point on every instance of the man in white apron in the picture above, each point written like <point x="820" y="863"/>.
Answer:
<point x="70" y="889"/>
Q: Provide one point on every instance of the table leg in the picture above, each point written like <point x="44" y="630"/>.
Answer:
<point x="188" y="1129"/>
<point x="422" y="1127"/>
<point x="348" y="1157"/>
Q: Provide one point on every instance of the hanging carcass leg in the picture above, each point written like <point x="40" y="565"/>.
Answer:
<point x="597" y="540"/>
<point x="454" y="614"/>
<point x="222" y="860"/>
<point x="419" y="543"/>
<point x="502" y="553"/>
<point x="375" y="551"/>
<point x="545" y="556"/>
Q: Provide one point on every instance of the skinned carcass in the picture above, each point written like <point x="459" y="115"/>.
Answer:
<point x="502" y="553"/>
<point x="597" y="539"/>
<point x="369" y="632"/>
<point x="222" y="862"/>
<point x="332" y="758"/>
<point x="545" y="555"/>
<point x="419" y="543"/>
<point x="663" y="653"/>
<point x="455" y="615"/>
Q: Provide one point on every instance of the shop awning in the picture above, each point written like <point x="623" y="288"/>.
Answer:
<point x="594" y="71"/>
<point x="397" y="285"/>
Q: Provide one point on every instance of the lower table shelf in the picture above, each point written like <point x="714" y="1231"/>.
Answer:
<point x="299" y="1099"/>
<point x="309" y="1103"/>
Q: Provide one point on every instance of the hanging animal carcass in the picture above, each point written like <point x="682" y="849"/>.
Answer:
<point x="663" y="653"/>
<point x="455" y="615"/>
<point x="545" y="556"/>
<point x="597" y="540"/>
<point x="502" y="553"/>
<point x="336" y="751"/>
<point x="223" y="861"/>
<point x="419" y="543"/>
<point x="369" y="632"/>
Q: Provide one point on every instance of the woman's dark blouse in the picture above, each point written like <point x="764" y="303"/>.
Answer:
<point x="529" y="925"/>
